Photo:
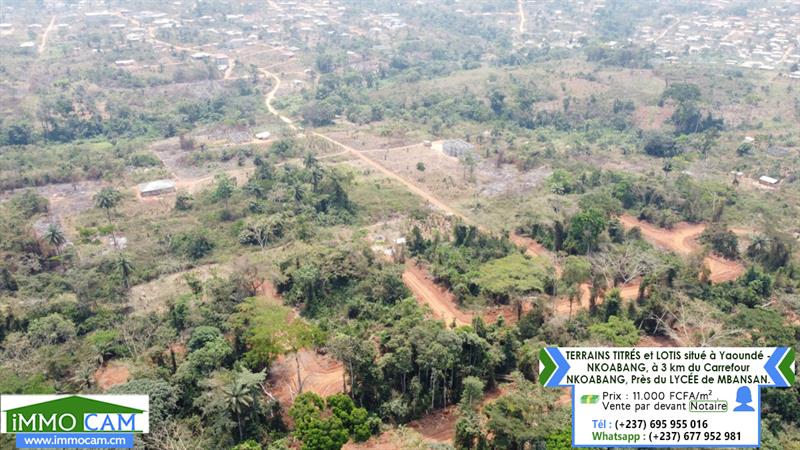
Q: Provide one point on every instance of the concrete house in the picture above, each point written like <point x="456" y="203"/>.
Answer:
<point x="457" y="147"/>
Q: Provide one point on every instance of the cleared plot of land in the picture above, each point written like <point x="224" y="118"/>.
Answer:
<point x="111" y="374"/>
<point x="320" y="374"/>
<point x="152" y="296"/>
<point x="440" y="426"/>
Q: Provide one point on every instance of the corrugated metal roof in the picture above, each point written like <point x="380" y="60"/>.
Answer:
<point x="157" y="185"/>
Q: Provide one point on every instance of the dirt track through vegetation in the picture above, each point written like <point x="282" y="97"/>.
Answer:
<point x="441" y="301"/>
<point x="682" y="239"/>
<point x="521" y="17"/>
<point x="46" y="33"/>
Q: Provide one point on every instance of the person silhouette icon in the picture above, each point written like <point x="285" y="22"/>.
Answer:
<point x="743" y="397"/>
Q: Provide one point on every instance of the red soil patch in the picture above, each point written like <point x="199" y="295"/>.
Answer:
<point x="656" y="341"/>
<point x="630" y="291"/>
<point x="682" y="239"/>
<point x="320" y="374"/>
<point x="532" y="248"/>
<point x="439" y="426"/>
<point x="566" y="397"/>
<point x="111" y="374"/>
<point x="442" y="303"/>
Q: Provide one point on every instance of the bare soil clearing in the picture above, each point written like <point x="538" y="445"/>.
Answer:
<point x="441" y="425"/>
<point x="152" y="296"/>
<point x="111" y="374"/>
<point x="656" y="341"/>
<point x="320" y="374"/>
<point x="682" y="239"/>
<point x="66" y="199"/>
<point x="444" y="305"/>
<point x="384" y="441"/>
<point x="652" y="117"/>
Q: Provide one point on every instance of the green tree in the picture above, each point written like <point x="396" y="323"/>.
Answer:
<point x="224" y="188"/>
<point x="584" y="231"/>
<point x="125" y="268"/>
<point x="310" y="161"/>
<point x="525" y="417"/>
<point x="163" y="396"/>
<point x="472" y="392"/>
<point x="577" y="270"/>
<point x="317" y="174"/>
<point x="617" y="331"/>
<point x="721" y="240"/>
<point x="313" y="428"/>
<point x="241" y="393"/>
<point x="107" y="199"/>
<point x="298" y="193"/>
<point x="55" y="237"/>
<point x="183" y="201"/>
<point x="51" y="329"/>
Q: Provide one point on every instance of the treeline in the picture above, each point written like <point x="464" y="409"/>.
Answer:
<point x="475" y="265"/>
<point x="75" y="115"/>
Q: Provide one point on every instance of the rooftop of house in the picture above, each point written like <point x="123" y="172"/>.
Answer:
<point x="157" y="185"/>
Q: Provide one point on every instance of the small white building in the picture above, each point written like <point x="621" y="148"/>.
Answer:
<point x="768" y="181"/>
<point x="263" y="136"/>
<point x="156" y="187"/>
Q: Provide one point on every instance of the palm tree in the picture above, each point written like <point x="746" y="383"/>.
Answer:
<point x="125" y="268"/>
<point x="107" y="199"/>
<point x="310" y="161"/>
<point x="55" y="237"/>
<point x="316" y="176"/>
<point x="239" y="398"/>
<point x="298" y="192"/>
<point x="758" y="246"/>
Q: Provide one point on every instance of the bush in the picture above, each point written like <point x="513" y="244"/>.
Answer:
<point x="619" y="332"/>
<point x="193" y="245"/>
<point x="30" y="203"/>
<point x="144" y="160"/>
<point x="722" y="241"/>
<point x="183" y="201"/>
<point x="661" y="145"/>
<point x="52" y="329"/>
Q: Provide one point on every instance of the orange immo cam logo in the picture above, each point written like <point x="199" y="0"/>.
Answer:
<point x="74" y="414"/>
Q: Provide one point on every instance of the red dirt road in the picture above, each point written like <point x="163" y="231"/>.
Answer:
<point x="682" y="239"/>
<point x="442" y="303"/>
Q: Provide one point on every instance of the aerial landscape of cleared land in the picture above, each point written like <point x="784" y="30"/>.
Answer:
<point x="354" y="224"/>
